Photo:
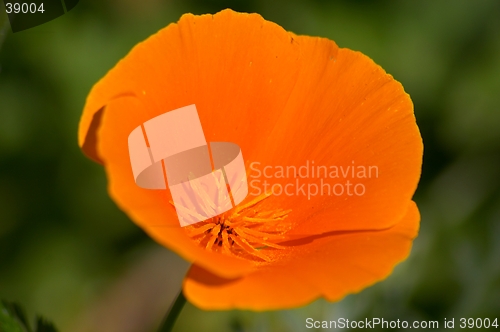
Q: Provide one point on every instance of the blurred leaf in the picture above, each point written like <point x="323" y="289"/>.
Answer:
<point x="13" y="319"/>
<point x="42" y="325"/>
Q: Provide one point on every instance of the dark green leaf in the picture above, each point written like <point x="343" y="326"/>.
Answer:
<point x="42" y="325"/>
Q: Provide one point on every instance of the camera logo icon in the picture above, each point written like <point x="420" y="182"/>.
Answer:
<point x="205" y="180"/>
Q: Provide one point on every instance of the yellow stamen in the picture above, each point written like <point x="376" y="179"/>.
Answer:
<point x="244" y="231"/>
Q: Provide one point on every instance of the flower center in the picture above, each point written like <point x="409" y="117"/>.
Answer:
<point x="243" y="231"/>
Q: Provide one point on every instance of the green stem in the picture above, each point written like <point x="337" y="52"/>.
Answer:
<point x="173" y="313"/>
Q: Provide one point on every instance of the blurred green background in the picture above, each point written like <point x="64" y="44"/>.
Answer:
<point x="68" y="253"/>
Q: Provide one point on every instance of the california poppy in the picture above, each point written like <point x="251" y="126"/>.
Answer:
<point x="286" y="100"/>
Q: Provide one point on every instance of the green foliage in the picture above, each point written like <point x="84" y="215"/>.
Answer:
<point x="13" y="319"/>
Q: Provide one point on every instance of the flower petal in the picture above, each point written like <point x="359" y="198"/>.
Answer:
<point x="345" y="111"/>
<point x="223" y="63"/>
<point x="329" y="266"/>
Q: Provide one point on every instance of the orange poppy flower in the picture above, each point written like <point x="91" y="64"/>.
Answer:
<point x="287" y="101"/>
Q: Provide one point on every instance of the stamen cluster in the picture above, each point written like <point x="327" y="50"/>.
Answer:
<point x="244" y="231"/>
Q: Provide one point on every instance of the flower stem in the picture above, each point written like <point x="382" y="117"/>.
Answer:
<point x="173" y="313"/>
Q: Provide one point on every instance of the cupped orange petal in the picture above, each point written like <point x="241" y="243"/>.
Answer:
<point x="329" y="266"/>
<point x="222" y="63"/>
<point x="344" y="111"/>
